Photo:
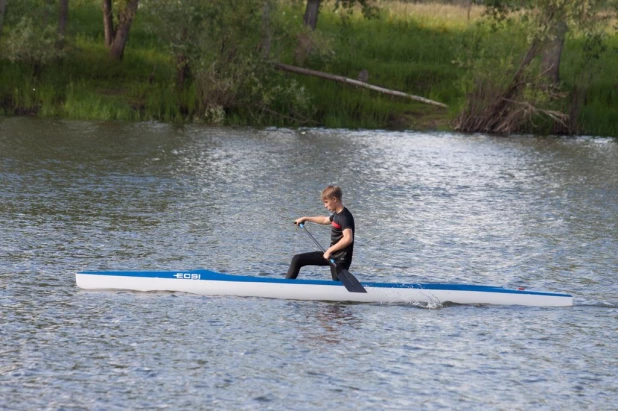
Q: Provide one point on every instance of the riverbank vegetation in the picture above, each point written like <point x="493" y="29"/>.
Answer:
<point x="547" y="66"/>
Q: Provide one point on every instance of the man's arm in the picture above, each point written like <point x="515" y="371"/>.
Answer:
<point x="346" y="240"/>
<point x="317" y="219"/>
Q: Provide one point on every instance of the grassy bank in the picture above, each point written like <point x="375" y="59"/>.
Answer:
<point x="411" y="48"/>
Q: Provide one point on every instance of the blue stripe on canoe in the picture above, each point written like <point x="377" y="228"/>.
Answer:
<point x="206" y="275"/>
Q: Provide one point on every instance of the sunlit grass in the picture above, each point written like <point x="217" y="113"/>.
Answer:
<point x="435" y="14"/>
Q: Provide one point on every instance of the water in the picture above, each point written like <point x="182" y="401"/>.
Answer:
<point x="524" y="211"/>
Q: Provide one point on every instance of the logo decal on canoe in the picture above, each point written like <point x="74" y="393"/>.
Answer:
<point x="187" y="276"/>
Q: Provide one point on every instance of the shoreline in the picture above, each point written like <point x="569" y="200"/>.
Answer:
<point x="411" y="48"/>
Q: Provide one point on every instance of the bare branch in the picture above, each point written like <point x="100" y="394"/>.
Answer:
<point x="346" y="80"/>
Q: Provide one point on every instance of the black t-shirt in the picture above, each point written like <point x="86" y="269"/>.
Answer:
<point x="339" y="222"/>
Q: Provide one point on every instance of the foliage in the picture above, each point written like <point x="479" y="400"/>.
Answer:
<point x="506" y="91"/>
<point x="32" y="44"/>
<point x="368" y="7"/>
<point x="29" y="35"/>
<point x="345" y="9"/>
<point x="228" y="51"/>
<point x="411" y="48"/>
<point x="172" y="21"/>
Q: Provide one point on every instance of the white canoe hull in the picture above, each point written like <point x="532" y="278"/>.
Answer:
<point x="204" y="282"/>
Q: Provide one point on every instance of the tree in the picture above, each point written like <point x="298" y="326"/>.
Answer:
<point x="32" y="44"/>
<point x="108" y="23"/>
<point x="32" y="39"/>
<point x="172" y="21"/>
<point x="2" y="10"/>
<point x="311" y="13"/>
<point x="312" y="9"/>
<point x="226" y="47"/>
<point x="552" y="52"/>
<point x="116" y="37"/>
<point x="306" y="41"/>
<point x="496" y="105"/>
<point x="63" y="17"/>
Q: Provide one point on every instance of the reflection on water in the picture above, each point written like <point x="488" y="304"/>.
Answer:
<point x="524" y="211"/>
<point x="325" y="323"/>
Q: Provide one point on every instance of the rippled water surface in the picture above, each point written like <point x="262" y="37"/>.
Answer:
<point x="523" y="211"/>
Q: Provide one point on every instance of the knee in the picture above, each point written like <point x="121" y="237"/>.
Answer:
<point x="296" y="259"/>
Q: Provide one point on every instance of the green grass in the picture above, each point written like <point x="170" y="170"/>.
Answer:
<point x="410" y="48"/>
<point x="600" y="108"/>
<point x="400" y="53"/>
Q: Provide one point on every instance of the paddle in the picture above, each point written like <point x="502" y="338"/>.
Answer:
<point x="349" y="281"/>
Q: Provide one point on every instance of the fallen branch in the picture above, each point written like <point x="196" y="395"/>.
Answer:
<point x="345" y="80"/>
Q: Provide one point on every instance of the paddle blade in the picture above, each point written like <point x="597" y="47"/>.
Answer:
<point x="349" y="281"/>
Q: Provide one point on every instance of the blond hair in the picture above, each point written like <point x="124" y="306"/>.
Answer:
<point x="332" y="192"/>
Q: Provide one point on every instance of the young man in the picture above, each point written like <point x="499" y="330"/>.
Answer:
<point x="341" y="236"/>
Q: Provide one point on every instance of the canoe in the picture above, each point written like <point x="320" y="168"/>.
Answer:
<point x="210" y="283"/>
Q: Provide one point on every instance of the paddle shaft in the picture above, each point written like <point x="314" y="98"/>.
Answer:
<point x="314" y="240"/>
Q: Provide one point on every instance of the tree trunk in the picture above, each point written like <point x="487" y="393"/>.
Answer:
<point x="550" y="59"/>
<point x="469" y="6"/>
<point x="266" y="31"/>
<point x="311" y="13"/>
<point x="2" y="9"/>
<point x="495" y="116"/>
<point x="182" y="61"/>
<point x="182" y="69"/>
<point x="46" y="10"/>
<point x="63" y="17"/>
<point x="108" y="23"/>
<point x="125" y="19"/>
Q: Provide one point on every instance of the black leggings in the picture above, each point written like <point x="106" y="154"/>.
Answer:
<point x="312" y="258"/>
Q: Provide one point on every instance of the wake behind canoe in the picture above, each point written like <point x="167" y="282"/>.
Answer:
<point x="210" y="283"/>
